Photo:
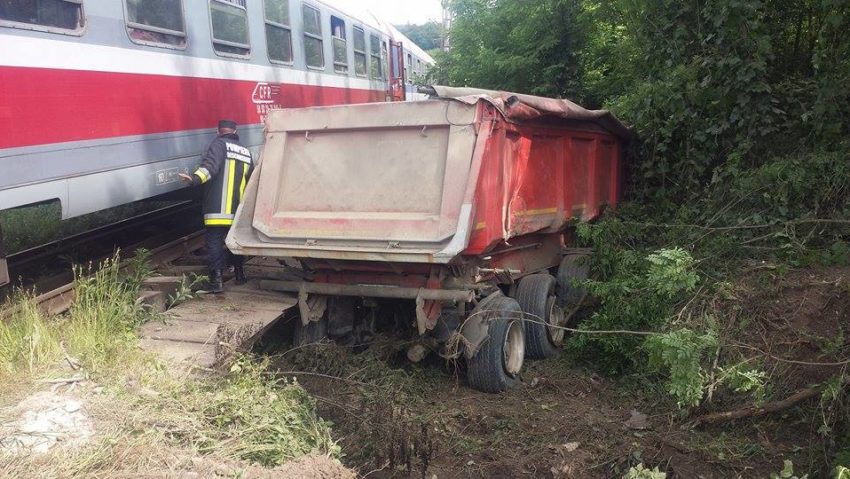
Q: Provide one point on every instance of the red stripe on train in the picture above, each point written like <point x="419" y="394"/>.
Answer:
<point x="42" y="106"/>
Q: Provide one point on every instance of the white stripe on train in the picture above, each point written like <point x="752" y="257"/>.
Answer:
<point x="28" y="52"/>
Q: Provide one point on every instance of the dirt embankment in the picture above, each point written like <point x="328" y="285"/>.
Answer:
<point x="394" y="419"/>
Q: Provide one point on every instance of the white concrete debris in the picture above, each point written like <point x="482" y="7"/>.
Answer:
<point x="44" y="420"/>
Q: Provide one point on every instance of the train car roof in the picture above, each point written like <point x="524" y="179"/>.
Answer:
<point x="410" y="45"/>
<point x="373" y="21"/>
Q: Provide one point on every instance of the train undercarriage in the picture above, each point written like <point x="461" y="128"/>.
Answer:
<point x="4" y="266"/>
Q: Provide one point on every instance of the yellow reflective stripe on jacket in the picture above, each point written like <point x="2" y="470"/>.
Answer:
<point x="218" y="222"/>
<point x="231" y="184"/>
<point x="244" y="181"/>
<point x="203" y="174"/>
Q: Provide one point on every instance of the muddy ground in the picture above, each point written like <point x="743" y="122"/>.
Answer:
<point x="396" y="419"/>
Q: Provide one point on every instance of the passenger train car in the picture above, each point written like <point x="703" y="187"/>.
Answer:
<point x="104" y="102"/>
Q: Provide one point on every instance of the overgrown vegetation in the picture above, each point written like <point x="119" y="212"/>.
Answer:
<point x="244" y="415"/>
<point x="387" y="400"/>
<point x="427" y="36"/>
<point x="98" y="331"/>
<point x="739" y="175"/>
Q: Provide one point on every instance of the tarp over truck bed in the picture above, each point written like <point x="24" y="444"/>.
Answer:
<point x="424" y="182"/>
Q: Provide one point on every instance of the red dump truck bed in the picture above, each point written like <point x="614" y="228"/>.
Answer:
<point x="424" y="182"/>
<point x="456" y="211"/>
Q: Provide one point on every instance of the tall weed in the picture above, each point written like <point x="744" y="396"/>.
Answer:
<point x="27" y="341"/>
<point x="98" y="330"/>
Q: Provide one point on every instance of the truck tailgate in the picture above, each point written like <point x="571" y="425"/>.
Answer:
<point x="373" y="176"/>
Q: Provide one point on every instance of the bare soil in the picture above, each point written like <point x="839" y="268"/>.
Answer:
<point x="395" y="419"/>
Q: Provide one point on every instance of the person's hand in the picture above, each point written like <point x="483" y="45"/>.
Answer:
<point x="186" y="178"/>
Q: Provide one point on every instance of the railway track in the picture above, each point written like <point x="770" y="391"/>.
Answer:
<point x="47" y="268"/>
<point x="39" y="253"/>
<point x="59" y="299"/>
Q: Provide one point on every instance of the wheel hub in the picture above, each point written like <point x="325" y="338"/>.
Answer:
<point x="556" y="319"/>
<point x="514" y="348"/>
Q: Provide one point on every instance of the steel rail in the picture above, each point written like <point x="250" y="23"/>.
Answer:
<point x="60" y="299"/>
<point x="36" y="253"/>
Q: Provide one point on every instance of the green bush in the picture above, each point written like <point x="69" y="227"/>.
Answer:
<point x="637" y="293"/>
<point x="678" y="355"/>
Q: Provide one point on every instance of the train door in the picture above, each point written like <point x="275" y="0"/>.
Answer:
<point x="397" y="80"/>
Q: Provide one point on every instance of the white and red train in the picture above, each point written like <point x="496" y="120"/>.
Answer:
<point x="103" y="102"/>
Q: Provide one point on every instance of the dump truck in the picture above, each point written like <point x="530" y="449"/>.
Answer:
<point x="454" y="216"/>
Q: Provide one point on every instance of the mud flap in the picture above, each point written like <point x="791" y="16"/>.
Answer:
<point x="476" y="327"/>
<point x="311" y="306"/>
<point x="427" y="314"/>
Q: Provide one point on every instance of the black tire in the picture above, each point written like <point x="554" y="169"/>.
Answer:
<point x="573" y="267"/>
<point x="315" y="332"/>
<point x="488" y="370"/>
<point x="536" y="297"/>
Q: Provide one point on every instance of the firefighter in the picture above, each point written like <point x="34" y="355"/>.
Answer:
<point x="224" y="170"/>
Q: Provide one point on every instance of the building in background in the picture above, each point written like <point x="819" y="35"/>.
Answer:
<point x="447" y="24"/>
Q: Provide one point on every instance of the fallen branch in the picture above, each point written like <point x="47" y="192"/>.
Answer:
<point x="76" y="379"/>
<point x="756" y="411"/>
<point x="741" y="227"/>
<point x="791" y="361"/>
<point x="74" y="363"/>
<point x="325" y="376"/>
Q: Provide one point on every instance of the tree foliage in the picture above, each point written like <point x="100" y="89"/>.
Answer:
<point x="427" y="36"/>
<point x="705" y="84"/>
<point x="519" y="46"/>
<point x="741" y="160"/>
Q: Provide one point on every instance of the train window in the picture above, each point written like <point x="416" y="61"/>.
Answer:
<point x="340" y="44"/>
<point x="408" y="67"/>
<point x="156" y="21"/>
<point x="360" y="62"/>
<point x="314" y="51"/>
<point x="278" y="31"/>
<point x="375" y="53"/>
<point x="60" y="14"/>
<point x="384" y="57"/>
<point x="230" y="27"/>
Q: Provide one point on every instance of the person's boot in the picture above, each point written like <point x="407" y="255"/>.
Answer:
<point x="215" y="284"/>
<point x="239" y="271"/>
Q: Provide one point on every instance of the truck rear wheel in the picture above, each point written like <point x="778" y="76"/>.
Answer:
<point x="536" y="297"/>
<point x="499" y="359"/>
<point x="314" y="332"/>
<point x="573" y="267"/>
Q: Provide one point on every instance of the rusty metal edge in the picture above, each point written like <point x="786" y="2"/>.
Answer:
<point x="378" y="291"/>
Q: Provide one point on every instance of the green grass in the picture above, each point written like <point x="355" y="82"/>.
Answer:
<point x="148" y="413"/>
<point x="27" y="342"/>
<point x="250" y="416"/>
<point x="98" y="330"/>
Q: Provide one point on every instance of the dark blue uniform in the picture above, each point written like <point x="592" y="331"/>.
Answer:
<point x="224" y="171"/>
